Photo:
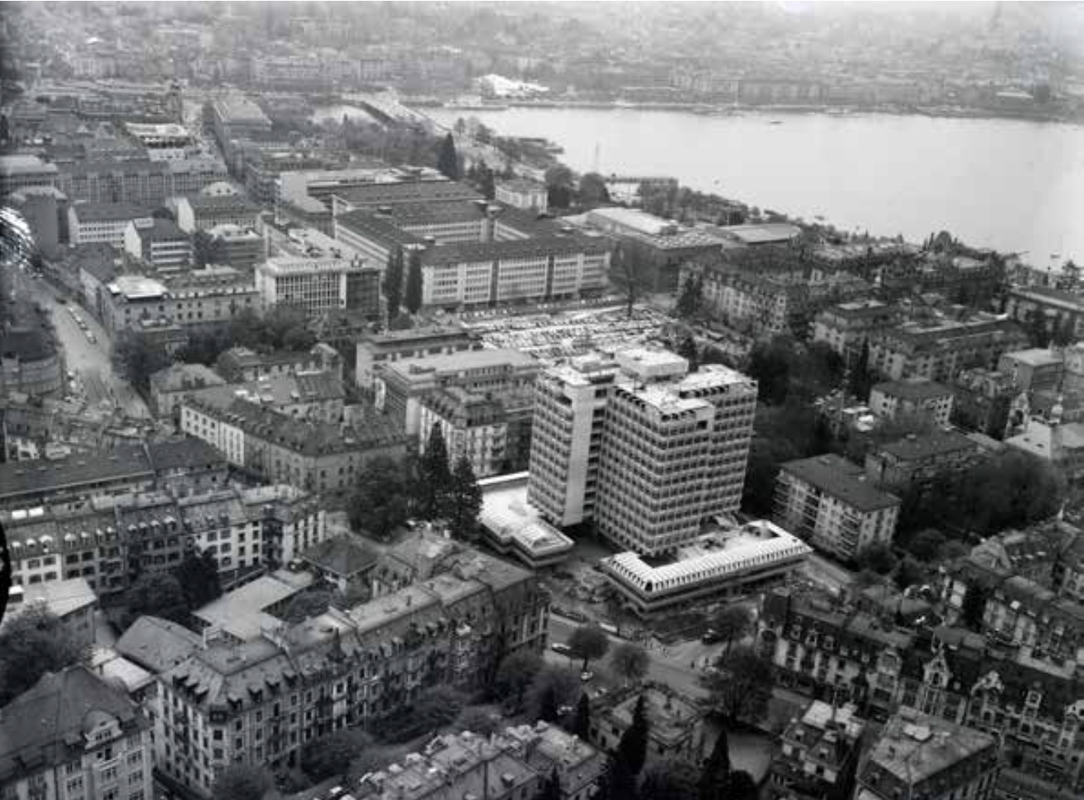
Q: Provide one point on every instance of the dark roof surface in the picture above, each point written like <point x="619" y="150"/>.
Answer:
<point x="841" y="479"/>
<point x="45" y="726"/>
<point x="41" y="475"/>
<point x="341" y="555"/>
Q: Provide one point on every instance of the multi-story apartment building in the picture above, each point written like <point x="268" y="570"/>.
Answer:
<point x="24" y="171"/>
<point x="921" y="460"/>
<point x="641" y="447"/>
<point x="523" y="194"/>
<point x="918" y="755"/>
<point x="402" y="384"/>
<point x="677" y="729"/>
<point x="116" y="538"/>
<point x="317" y="273"/>
<point x="262" y="701"/>
<point x="474" y="427"/>
<point x="160" y="243"/>
<point x="201" y="299"/>
<point x="237" y="117"/>
<point x="240" y="248"/>
<point x="314" y="396"/>
<point x="240" y="364"/>
<point x="366" y="193"/>
<point x="1024" y="699"/>
<point x="938" y="351"/>
<point x="1058" y="309"/>
<point x="74" y="482"/>
<point x="71" y="601"/>
<point x="525" y="758"/>
<point x="832" y="504"/>
<point x="890" y="399"/>
<point x="200" y="212"/>
<point x="142" y="182"/>
<point x="818" y="759"/>
<point x="375" y="350"/>
<point x="92" y="223"/>
<point x="74" y="734"/>
<point x="169" y="385"/>
<point x="981" y="400"/>
<point x="514" y="271"/>
<point x="275" y="447"/>
<point x="1033" y="370"/>
<point x="731" y="562"/>
<point x="1031" y="582"/>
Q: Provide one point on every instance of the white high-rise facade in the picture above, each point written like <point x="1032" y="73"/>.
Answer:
<point x="640" y="447"/>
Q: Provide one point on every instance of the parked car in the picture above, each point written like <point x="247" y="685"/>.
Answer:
<point x="561" y="647"/>
<point x="587" y="676"/>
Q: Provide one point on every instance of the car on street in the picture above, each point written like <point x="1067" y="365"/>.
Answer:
<point x="92" y="338"/>
<point x="561" y="647"/>
<point x="587" y="676"/>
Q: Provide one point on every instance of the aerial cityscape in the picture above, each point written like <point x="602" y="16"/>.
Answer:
<point x="541" y="401"/>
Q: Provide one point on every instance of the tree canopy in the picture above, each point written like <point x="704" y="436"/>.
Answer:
<point x="732" y="623"/>
<point x="158" y="594"/>
<point x="448" y="158"/>
<point x="380" y="501"/>
<point x="412" y="297"/>
<point x="199" y="579"/>
<point x="588" y="642"/>
<point x="242" y="782"/>
<point x="632" y="747"/>
<point x="434" y="476"/>
<point x="629" y="662"/>
<point x="330" y="754"/>
<point x="34" y="641"/>
<point x="741" y="685"/>
<point x="516" y="673"/>
<point x="464" y="501"/>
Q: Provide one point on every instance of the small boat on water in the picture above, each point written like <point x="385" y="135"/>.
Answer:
<point x="776" y="122"/>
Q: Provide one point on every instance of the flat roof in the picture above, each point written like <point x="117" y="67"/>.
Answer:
<point x="711" y="557"/>
<point x="841" y="479"/>
<point x="1036" y="357"/>
<point x="912" y="389"/>
<point x="508" y="516"/>
<point x="137" y="287"/>
<point x="60" y="597"/>
<point x="761" y="233"/>
<point x="241" y="612"/>
<point x="420" y="367"/>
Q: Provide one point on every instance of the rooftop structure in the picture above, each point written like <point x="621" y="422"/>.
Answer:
<point x="760" y="234"/>
<point x="735" y="560"/>
<point x="157" y="645"/>
<point x="918" y="753"/>
<point x="246" y="612"/>
<point x="512" y="526"/>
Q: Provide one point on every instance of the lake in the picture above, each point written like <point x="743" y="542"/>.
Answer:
<point x="1007" y="184"/>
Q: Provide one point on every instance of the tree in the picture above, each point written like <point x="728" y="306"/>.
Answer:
<point x="199" y="580"/>
<point x="670" y="780"/>
<point x="158" y="594"/>
<point x="861" y="380"/>
<point x="715" y="777"/>
<point x="691" y="298"/>
<point x="547" y="704"/>
<point x="632" y="270"/>
<point x="909" y="572"/>
<point x="741" y="686"/>
<point x="559" y="182"/>
<point x="34" y="641"/>
<point x="448" y="159"/>
<point x="732" y="623"/>
<point x="632" y="748"/>
<point x="581" y="724"/>
<point x="328" y="755"/>
<point x="464" y="499"/>
<point x="1036" y="328"/>
<point x="877" y="557"/>
<point x="516" y="673"/>
<point x="307" y="604"/>
<point x="1064" y="332"/>
<point x="137" y="358"/>
<point x="207" y="249"/>
<point x="380" y="501"/>
<point x="413" y="293"/>
<point x="742" y="786"/>
<point x="593" y="191"/>
<point x="618" y="783"/>
<point x="688" y="350"/>
<point x="485" y="180"/>
<point x="434" y="476"/>
<point x="393" y="282"/>
<point x="588" y="642"/>
<point x="973" y="606"/>
<point x="629" y="662"/>
<point x="769" y="365"/>
<point x="1011" y="490"/>
<point x="482" y="720"/>
<point x="926" y="544"/>
<point x="242" y="782"/>
<point x="432" y="709"/>
<point x="559" y="685"/>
